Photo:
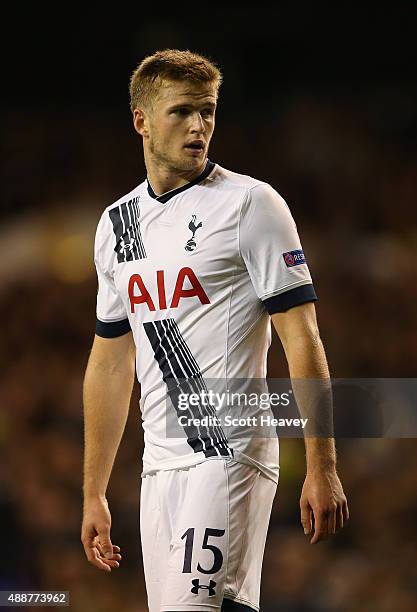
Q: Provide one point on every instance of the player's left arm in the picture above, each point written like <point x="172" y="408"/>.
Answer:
<point x="322" y="496"/>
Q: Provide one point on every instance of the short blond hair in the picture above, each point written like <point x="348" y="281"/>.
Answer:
<point x="170" y="65"/>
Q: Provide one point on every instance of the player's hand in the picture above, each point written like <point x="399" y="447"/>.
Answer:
<point x="323" y="499"/>
<point x="95" y="535"/>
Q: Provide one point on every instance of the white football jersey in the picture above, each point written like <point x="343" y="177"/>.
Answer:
<point x="195" y="274"/>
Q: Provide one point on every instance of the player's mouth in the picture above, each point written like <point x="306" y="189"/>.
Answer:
<point x="196" y="147"/>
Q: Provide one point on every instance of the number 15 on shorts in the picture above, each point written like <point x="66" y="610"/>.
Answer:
<point x="193" y="554"/>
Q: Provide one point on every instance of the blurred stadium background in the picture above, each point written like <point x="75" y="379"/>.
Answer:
<point x="320" y="103"/>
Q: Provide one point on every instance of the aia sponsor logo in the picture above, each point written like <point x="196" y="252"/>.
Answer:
<point x="139" y="293"/>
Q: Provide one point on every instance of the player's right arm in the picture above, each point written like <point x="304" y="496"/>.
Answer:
<point x="107" y="390"/>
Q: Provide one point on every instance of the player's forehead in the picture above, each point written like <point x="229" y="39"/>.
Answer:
<point x="187" y="92"/>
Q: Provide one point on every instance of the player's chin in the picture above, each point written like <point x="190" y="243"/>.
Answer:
<point x="193" y="158"/>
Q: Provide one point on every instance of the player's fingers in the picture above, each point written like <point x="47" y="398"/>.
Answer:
<point x="113" y="562"/>
<point x="306" y="516"/>
<point x="110" y="562"/>
<point x="100" y="563"/>
<point x="92" y="556"/>
<point x="105" y="542"/>
<point x="87" y="539"/>
<point x="115" y="555"/>
<point x="115" y="548"/>
<point x="320" y="526"/>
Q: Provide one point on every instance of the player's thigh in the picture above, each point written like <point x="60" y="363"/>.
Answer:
<point x="198" y="555"/>
<point x="218" y="541"/>
<point x="150" y="516"/>
<point x="161" y="498"/>
<point x="251" y="498"/>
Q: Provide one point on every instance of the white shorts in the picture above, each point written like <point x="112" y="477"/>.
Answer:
<point x="203" y="532"/>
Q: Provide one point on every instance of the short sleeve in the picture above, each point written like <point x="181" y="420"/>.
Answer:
<point x="272" y="251"/>
<point x="112" y="320"/>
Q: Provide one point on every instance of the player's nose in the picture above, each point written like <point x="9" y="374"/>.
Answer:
<point x="198" y="125"/>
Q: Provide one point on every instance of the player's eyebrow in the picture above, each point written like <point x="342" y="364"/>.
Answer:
<point x="191" y="105"/>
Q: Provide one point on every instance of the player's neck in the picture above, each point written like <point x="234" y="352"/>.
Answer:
<point x="164" y="179"/>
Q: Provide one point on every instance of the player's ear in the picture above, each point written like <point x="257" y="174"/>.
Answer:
<point x="140" y="122"/>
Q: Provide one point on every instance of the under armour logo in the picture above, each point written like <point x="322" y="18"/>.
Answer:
<point x="127" y="246"/>
<point x="197" y="585"/>
<point x="191" y="243"/>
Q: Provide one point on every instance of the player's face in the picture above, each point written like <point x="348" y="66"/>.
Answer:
<point x="181" y="124"/>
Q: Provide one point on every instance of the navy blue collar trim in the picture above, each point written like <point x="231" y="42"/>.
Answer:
<point x="170" y="194"/>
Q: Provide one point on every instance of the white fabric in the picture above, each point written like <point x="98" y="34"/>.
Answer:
<point x="236" y="258"/>
<point x="224" y="495"/>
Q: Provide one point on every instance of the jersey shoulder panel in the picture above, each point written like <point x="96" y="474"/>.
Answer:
<point x="262" y="197"/>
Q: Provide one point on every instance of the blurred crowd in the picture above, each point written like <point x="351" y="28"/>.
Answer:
<point x="350" y="178"/>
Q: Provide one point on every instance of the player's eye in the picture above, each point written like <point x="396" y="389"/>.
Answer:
<point x="183" y="112"/>
<point x="207" y="112"/>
